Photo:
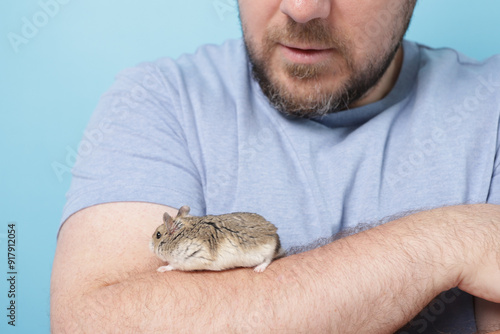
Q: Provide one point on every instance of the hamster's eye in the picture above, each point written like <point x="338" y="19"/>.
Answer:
<point x="158" y="235"/>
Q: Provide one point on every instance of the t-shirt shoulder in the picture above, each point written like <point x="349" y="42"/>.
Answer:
<point x="448" y="54"/>
<point x="207" y="64"/>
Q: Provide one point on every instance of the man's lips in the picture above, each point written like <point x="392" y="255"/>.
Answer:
<point x="305" y="54"/>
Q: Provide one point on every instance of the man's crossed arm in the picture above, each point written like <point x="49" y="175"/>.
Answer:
<point x="104" y="277"/>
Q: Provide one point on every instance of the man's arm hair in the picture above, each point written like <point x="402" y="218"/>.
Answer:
<point x="487" y="314"/>
<point x="345" y="232"/>
<point x="104" y="277"/>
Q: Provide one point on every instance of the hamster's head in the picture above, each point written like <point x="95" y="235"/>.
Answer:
<point x="166" y="231"/>
<point x="158" y="235"/>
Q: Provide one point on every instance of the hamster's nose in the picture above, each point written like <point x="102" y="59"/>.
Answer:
<point x="302" y="11"/>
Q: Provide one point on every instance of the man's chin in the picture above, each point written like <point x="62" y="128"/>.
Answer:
<point x="305" y="106"/>
<point x="305" y="98"/>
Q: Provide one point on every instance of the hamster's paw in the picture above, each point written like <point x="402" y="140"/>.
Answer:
<point x="165" y="268"/>
<point x="261" y="267"/>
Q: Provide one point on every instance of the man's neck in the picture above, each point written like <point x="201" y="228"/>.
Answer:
<point x="385" y="84"/>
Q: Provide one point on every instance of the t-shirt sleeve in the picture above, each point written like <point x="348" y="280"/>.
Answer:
<point x="134" y="147"/>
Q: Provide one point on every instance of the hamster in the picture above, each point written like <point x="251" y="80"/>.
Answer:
<point x="215" y="242"/>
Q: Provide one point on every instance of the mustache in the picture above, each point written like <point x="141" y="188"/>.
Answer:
<point x="315" y="32"/>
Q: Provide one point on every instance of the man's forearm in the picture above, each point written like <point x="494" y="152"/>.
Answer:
<point x="372" y="282"/>
<point x="293" y="295"/>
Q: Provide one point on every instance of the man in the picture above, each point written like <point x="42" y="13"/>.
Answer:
<point x="331" y="121"/>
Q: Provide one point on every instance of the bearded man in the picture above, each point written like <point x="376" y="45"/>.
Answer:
<point x="324" y="120"/>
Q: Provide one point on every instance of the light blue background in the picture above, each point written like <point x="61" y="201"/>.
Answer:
<point x="49" y="88"/>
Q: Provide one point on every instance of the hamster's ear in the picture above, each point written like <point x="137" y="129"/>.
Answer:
<point x="183" y="211"/>
<point x="169" y="223"/>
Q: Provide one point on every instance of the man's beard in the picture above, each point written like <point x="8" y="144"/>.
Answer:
<point x="318" y="100"/>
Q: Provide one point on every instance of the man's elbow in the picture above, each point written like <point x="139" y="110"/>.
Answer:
<point x="63" y="313"/>
<point x="72" y="311"/>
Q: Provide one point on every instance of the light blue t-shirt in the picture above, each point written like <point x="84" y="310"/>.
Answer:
<point x="199" y="131"/>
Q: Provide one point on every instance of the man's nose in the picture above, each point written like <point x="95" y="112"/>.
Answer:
<point x="303" y="11"/>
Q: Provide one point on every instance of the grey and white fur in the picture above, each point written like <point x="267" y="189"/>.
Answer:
<point x="215" y="242"/>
